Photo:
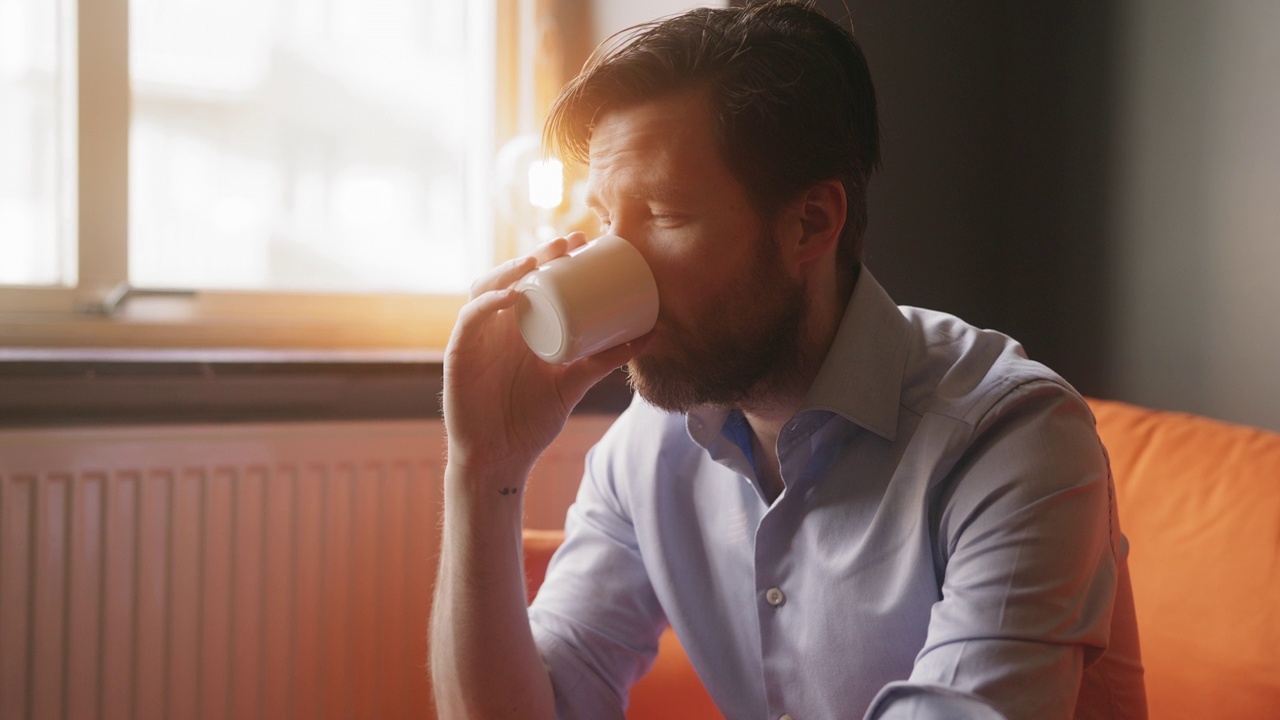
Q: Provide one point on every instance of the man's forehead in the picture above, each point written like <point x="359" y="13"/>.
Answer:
<point x="654" y="150"/>
<point x="620" y="134"/>
<point x="686" y="112"/>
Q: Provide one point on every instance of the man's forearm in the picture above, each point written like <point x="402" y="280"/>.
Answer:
<point x="483" y="660"/>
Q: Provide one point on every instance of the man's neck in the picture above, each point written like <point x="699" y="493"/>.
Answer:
<point x="768" y="414"/>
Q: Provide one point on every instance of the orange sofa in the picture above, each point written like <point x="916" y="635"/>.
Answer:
<point x="1200" y="503"/>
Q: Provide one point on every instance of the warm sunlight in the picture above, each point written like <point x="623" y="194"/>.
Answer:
<point x="290" y="145"/>
<point x="546" y="183"/>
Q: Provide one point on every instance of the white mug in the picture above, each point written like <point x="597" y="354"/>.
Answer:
<point x="598" y="296"/>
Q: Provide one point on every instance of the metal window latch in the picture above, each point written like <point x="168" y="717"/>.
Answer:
<point x="115" y="298"/>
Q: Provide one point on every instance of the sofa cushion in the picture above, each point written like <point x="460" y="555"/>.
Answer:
<point x="1199" y="501"/>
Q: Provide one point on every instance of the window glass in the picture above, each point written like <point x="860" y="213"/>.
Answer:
<point x="309" y="146"/>
<point x="35" y="128"/>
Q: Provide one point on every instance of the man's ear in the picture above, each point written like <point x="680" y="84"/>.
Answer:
<point x="813" y="224"/>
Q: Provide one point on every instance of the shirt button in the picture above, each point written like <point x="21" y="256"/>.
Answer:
<point x="775" y="597"/>
<point x="786" y="717"/>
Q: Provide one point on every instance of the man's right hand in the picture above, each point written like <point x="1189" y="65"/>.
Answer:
<point x="503" y="405"/>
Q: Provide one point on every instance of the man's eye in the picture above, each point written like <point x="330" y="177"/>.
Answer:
<point x="668" y="219"/>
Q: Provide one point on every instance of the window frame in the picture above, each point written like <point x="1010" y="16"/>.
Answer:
<point x="102" y="311"/>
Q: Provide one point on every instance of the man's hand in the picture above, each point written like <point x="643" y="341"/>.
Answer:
<point x="503" y="405"/>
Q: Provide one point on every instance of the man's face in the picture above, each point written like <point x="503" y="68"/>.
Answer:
<point x="729" y="328"/>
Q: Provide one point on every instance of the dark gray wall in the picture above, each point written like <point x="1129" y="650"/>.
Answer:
<point x="993" y="202"/>
<point x="1198" y="208"/>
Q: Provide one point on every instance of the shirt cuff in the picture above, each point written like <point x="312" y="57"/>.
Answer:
<point x="916" y="701"/>
<point x="580" y="693"/>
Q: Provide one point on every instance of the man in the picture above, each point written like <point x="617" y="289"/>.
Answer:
<point x="843" y="508"/>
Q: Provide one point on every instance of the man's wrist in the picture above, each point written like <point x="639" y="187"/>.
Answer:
<point x="486" y="484"/>
<point x="487" y="468"/>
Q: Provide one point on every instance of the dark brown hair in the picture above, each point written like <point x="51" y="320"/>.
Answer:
<point x="791" y="98"/>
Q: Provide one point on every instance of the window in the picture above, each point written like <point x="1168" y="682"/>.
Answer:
<point x="258" y="172"/>
<point x="35" y="100"/>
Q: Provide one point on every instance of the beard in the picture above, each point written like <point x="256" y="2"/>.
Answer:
<point x="747" y="350"/>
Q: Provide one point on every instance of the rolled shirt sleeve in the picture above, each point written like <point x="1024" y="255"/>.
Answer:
<point x="596" y="620"/>
<point x="924" y="701"/>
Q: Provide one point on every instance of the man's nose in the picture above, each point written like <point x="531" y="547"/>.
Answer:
<point x="632" y="232"/>
<point x="635" y="235"/>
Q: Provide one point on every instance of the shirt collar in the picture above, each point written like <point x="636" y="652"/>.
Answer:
<point x="705" y="422"/>
<point x="861" y="377"/>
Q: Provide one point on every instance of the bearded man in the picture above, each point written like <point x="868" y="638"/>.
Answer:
<point x="844" y="508"/>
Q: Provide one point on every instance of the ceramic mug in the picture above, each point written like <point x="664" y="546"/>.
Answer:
<point x="597" y="297"/>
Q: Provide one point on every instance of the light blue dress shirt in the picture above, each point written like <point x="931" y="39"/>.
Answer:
<point x="946" y="545"/>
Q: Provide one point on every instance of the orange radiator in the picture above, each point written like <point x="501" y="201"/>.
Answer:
<point x="233" y="571"/>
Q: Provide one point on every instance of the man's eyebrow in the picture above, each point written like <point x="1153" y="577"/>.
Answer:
<point x="663" y="192"/>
